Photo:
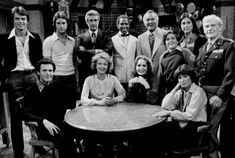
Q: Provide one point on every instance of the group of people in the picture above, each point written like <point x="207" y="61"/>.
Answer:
<point x="188" y="74"/>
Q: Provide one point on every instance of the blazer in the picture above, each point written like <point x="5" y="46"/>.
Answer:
<point x="216" y="67"/>
<point x="103" y="41"/>
<point x="8" y="53"/>
<point x="124" y="57"/>
<point x="143" y="47"/>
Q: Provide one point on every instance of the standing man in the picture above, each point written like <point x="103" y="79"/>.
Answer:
<point x="216" y="67"/>
<point x="90" y="43"/>
<point x="20" y="51"/>
<point x="59" y="47"/>
<point x="44" y="103"/>
<point x="150" y="43"/>
<point x="124" y="51"/>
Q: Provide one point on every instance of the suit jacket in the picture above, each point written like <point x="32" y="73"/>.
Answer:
<point x="124" y="57"/>
<point x="8" y="53"/>
<point x="103" y="41"/>
<point x="216" y="67"/>
<point x="143" y="47"/>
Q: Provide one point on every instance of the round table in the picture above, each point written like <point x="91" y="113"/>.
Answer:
<point x="120" y="117"/>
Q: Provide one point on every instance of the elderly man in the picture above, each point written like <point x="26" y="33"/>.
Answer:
<point x="20" y="51"/>
<point x="124" y="51"/>
<point x="215" y="69"/>
<point x="91" y="42"/>
<point x="150" y="43"/>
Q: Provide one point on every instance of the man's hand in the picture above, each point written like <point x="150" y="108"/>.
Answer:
<point x="52" y="128"/>
<point x="82" y="48"/>
<point x="215" y="101"/>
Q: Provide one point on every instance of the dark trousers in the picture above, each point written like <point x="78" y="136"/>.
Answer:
<point x="16" y="87"/>
<point x="227" y="133"/>
<point x="63" y="140"/>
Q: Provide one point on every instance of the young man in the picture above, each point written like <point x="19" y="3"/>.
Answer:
<point x="216" y="69"/>
<point x="59" y="47"/>
<point x="20" y="51"/>
<point x="124" y="51"/>
<point x="90" y="43"/>
<point x="44" y="103"/>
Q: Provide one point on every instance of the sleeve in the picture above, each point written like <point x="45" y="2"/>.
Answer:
<point x="85" y="100"/>
<point x="138" y="47"/>
<point x="108" y="45"/>
<point x="171" y="100"/>
<point x="47" y="48"/>
<point x="151" y="96"/>
<point x="120" y="90"/>
<point x="188" y="56"/>
<point x="198" y="99"/>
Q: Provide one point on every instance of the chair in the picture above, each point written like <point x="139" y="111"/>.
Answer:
<point x="35" y="142"/>
<point x="200" y="148"/>
<point x="5" y="130"/>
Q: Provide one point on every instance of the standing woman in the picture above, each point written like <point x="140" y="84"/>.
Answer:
<point x="139" y="89"/>
<point x="191" y="37"/>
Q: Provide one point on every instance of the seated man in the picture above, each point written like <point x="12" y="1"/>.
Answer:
<point x="45" y="104"/>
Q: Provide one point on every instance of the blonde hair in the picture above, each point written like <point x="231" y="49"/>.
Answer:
<point x="102" y="55"/>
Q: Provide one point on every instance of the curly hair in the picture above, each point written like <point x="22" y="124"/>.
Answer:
<point x="102" y="55"/>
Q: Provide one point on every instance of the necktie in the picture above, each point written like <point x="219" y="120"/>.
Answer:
<point x="181" y="101"/>
<point x="151" y="41"/>
<point x="208" y="46"/>
<point x="93" y="36"/>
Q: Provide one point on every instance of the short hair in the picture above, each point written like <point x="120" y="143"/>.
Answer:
<point x="91" y="13"/>
<point x="122" y="16"/>
<point x="149" y="67"/>
<point x="19" y="10"/>
<point x="59" y="14"/>
<point x="190" y="17"/>
<point x="214" y="17"/>
<point x="150" y="12"/>
<point x="185" y="69"/>
<point x="104" y="56"/>
<point x="45" y="61"/>
<point x="170" y="32"/>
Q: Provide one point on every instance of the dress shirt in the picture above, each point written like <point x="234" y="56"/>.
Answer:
<point x="23" y="62"/>
<point x="61" y="54"/>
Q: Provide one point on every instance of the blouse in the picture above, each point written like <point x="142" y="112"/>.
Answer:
<point x="95" y="89"/>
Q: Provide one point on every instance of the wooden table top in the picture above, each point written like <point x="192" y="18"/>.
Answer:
<point x="120" y="117"/>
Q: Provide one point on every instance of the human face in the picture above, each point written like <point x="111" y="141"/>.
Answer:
<point x="141" y="67"/>
<point x="93" y="22"/>
<point x="212" y="28"/>
<point x="151" y="21"/>
<point x="185" y="81"/>
<point x="186" y="25"/>
<point x="20" y="22"/>
<point x="101" y="66"/>
<point x="171" y="41"/>
<point x="46" y="73"/>
<point x="61" y="25"/>
<point x="123" y="25"/>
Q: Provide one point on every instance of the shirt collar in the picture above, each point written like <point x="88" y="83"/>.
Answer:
<point x="55" y="37"/>
<point x="96" y="32"/>
<point x="192" y="88"/>
<point x="177" y="48"/>
<point x="41" y="85"/>
<point x="13" y="33"/>
<point x="213" y="41"/>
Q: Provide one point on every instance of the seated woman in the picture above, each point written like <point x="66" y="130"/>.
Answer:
<point x="169" y="61"/>
<point x="186" y="105"/>
<point x="98" y="89"/>
<point x="139" y="90"/>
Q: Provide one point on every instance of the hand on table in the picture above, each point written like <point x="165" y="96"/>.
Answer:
<point x="163" y="113"/>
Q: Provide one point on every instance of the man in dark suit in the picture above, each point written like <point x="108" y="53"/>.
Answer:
<point x="19" y="53"/>
<point x="216" y="76"/>
<point x="90" y="43"/>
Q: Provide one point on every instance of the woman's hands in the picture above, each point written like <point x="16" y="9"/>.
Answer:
<point x="139" y="79"/>
<point x="108" y="101"/>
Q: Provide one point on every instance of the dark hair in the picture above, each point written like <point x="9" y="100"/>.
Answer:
<point x="45" y="61"/>
<point x="189" y="16"/>
<point x="170" y="32"/>
<point x="148" y="75"/>
<point x="19" y="10"/>
<point x="185" y="69"/>
<point x="136" y="93"/>
<point x="60" y="14"/>
<point x="122" y="16"/>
